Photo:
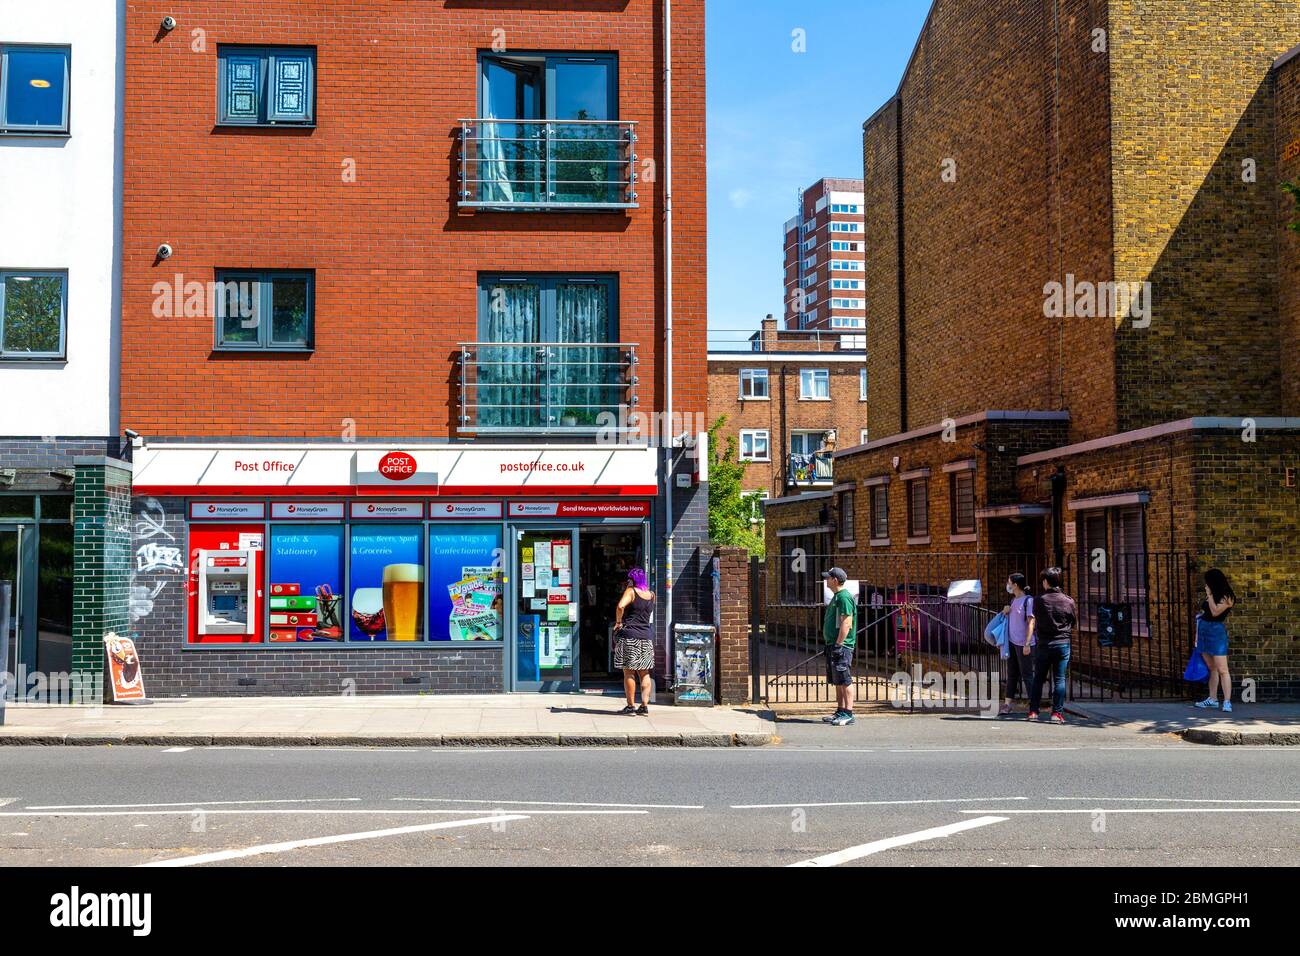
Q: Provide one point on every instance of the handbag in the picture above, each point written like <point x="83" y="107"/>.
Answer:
<point x="1196" y="670"/>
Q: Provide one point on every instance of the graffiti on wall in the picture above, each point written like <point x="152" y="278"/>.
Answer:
<point x="158" y="558"/>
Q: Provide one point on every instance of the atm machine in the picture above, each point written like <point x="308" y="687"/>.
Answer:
<point x="226" y="601"/>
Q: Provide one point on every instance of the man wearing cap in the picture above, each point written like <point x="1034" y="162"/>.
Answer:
<point x="839" y="629"/>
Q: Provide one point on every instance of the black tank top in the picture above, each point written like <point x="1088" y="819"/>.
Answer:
<point x="636" y="618"/>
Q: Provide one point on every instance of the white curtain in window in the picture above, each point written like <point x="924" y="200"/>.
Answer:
<point x="581" y="375"/>
<point x="492" y="167"/>
<point x="509" y="375"/>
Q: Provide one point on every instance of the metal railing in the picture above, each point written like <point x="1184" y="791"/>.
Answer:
<point x="814" y="469"/>
<point x="547" y="164"/>
<point x="547" y="387"/>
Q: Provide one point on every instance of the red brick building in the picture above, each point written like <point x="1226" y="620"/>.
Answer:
<point x="413" y="251"/>
<point x="1083" y="291"/>
<point x="790" y="402"/>
<point x="823" y="252"/>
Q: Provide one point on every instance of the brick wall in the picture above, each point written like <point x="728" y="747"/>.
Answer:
<point x="733" y="633"/>
<point x="396" y="263"/>
<point x="1286" y="85"/>
<point x="101" y="560"/>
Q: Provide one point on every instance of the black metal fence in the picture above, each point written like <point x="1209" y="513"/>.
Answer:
<point x="917" y="648"/>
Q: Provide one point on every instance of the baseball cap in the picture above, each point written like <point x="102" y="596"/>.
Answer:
<point x="836" y="573"/>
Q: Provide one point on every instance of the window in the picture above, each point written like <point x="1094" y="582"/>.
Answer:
<point x="918" y="508"/>
<point x="846" y="284"/>
<point x="33" y="315"/>
<point x="266" y="86"/>
<point x="34" y="89"/>
<point x="846" y="504"/>
<point x="802" y="557"/>
<point x="306" y="574"/>
<point x="864" y="437"/>
<point x="961" y="491"/>
<point x="285" y="300"/>
<point x="862" y="385"/>
<point x="810" y="262"/>
<point x="846" y="227"/>
<point x="1113" y="563"/>
<point x="843" y="245"/>
<point x="847" y="304"/>
<point x="814" y="384"/>
<point x="843" y="322"/>
<point x="880" y="511"/>
<point x="848" y="265"/>
<point x="753" y="383"/>
<point x="754" y="445"/>
<point x="755" y="500"/>
<point x="844" y="208"/>
<point x="383" y="558"/>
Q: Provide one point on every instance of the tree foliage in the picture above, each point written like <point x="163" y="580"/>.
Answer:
<point x="729" y="510"/>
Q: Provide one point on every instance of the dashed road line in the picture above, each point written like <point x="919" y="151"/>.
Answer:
<point x="557" y="803"/>
<point x="867" y="803"/>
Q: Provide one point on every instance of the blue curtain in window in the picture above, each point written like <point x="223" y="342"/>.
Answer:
<point x="509" y="375"/>
<point x="582" y="376"/>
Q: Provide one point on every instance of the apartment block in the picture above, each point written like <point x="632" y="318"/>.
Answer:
<point x="824" y="257"/>
<point x="395" y="332"/>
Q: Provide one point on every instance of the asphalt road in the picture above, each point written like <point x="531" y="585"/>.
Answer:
<point x="893" y="790"/>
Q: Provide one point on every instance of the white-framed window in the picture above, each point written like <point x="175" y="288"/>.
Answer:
<point x="846" y="322"/>
<point x="848" y="303"/>
<point x="755" y="445"/>
<point x="814" y="383"/>
<point x="810" y="280"/>
<point x="846" y="227"/>
<point x="843" y="245"/>
<point x="851" y="210"/>
<point x="755" y="499"/>
<point x="810" y="244"/>
<point x="810" y="262"/>
<point x="848" y="265"/>
<point x="862" y="384"/>
<point x="846" y="285"/>
<point x="810" y="298"/>
<point x="754" y="383"/>
<point x="864" y="436"/>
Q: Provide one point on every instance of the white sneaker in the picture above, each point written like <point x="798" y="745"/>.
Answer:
<point x="1208" y="704"/>
<point x="1227" y="706"/>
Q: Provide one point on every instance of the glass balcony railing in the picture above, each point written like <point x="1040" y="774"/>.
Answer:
<point x="546" y="388"/>
<point x="547" y="164"/>
<point x="814" y="469"/>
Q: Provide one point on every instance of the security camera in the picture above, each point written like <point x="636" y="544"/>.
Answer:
<point x="131" y="434"/>
<point x="164" y="251"/>
<point x="169" y="23"/>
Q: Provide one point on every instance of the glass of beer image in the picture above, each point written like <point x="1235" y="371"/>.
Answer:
<point x="403" y="602"/>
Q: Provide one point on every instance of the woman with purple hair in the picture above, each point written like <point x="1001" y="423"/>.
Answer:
<point x="634" y="649"/>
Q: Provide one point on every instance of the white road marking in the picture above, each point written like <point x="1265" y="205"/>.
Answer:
<point x="5" y="801"/>
<point x="1153" y="810"/>
<point x="557" y="803"/>
<point x="977" y="750"/>
<point x="866" y="803"/>
<point x="1168" y="800"/>
<point x="324" y="841"/>
<point x="878" y="846"/>
<point x="195" y="803"/>
<point x="177" y="750"/>
<point x="377" y="812"/>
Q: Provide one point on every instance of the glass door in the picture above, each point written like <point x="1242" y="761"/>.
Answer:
<point x="545" y="653"/>
<point x="11" y="570"/>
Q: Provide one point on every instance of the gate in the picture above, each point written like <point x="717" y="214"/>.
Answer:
<point x="916" y="649"/>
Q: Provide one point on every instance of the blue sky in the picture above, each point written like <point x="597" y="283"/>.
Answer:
<point x="779" y="120"/>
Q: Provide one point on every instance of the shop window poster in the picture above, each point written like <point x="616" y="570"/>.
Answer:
<point x="387" y="583"/>
<point x="306" y="585"/>
<point x="465" y="583"/>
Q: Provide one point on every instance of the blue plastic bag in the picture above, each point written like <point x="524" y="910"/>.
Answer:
<point x="1196" y="670"/>
<point x="995" y="633"/>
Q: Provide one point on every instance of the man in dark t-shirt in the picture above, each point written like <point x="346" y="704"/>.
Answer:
<point x="1055" y="616"/>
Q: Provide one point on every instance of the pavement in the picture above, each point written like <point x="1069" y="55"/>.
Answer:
<point x="910" y="790"/>
<point x="1254" y="724"/>
<point x="495" y="720"/>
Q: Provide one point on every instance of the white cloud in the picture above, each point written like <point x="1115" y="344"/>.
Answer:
<point x="740" y="197"/>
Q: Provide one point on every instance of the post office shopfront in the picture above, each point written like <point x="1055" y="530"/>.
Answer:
<point x="246" y="584"/>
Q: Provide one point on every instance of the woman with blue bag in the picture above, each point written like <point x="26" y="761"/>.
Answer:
<point x="1020" y="641"/>
<point x="1212" y="638"/>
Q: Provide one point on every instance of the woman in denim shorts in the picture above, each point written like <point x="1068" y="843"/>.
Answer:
<point x="1212" y="637"/>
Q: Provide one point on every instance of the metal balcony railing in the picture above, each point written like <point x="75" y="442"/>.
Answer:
<point x="551" y="388"/>
<point x="814" y="469"/>
<point x="547" y="164"/>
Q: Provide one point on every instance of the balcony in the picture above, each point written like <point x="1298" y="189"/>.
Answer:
<point x="810" y="470"/>
<point x="549" y="388"/>
<point x="547" y="164"/>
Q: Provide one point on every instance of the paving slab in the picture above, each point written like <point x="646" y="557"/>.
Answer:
<point x="506" y="720"/>
<point x="1249" y="724"/>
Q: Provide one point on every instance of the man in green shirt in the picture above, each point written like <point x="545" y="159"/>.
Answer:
<point x="840" y="631"/>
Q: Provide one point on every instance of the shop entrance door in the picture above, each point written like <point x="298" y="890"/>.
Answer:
<point x="11" y="570"/>
<point x="544" y="651"/>
<point x="606" y="553"/>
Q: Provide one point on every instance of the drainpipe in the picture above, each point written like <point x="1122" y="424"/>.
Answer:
<point x="668" y="332"/>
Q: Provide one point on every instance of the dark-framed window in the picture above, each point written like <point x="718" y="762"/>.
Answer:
<point x="880" y="511"/>
<point x="550" y="307"/>
<point x="35" y="84"/>
<point x="1113" y="561"/>
<point x="266" y="86"/>
<point x="846" y="507"/>
<point x="33" y="314"/>
<point x="961" y="496"/>
<point x="802" y="557"/>
<point x="271" y="311"/>
<point x="918" y="507"/>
